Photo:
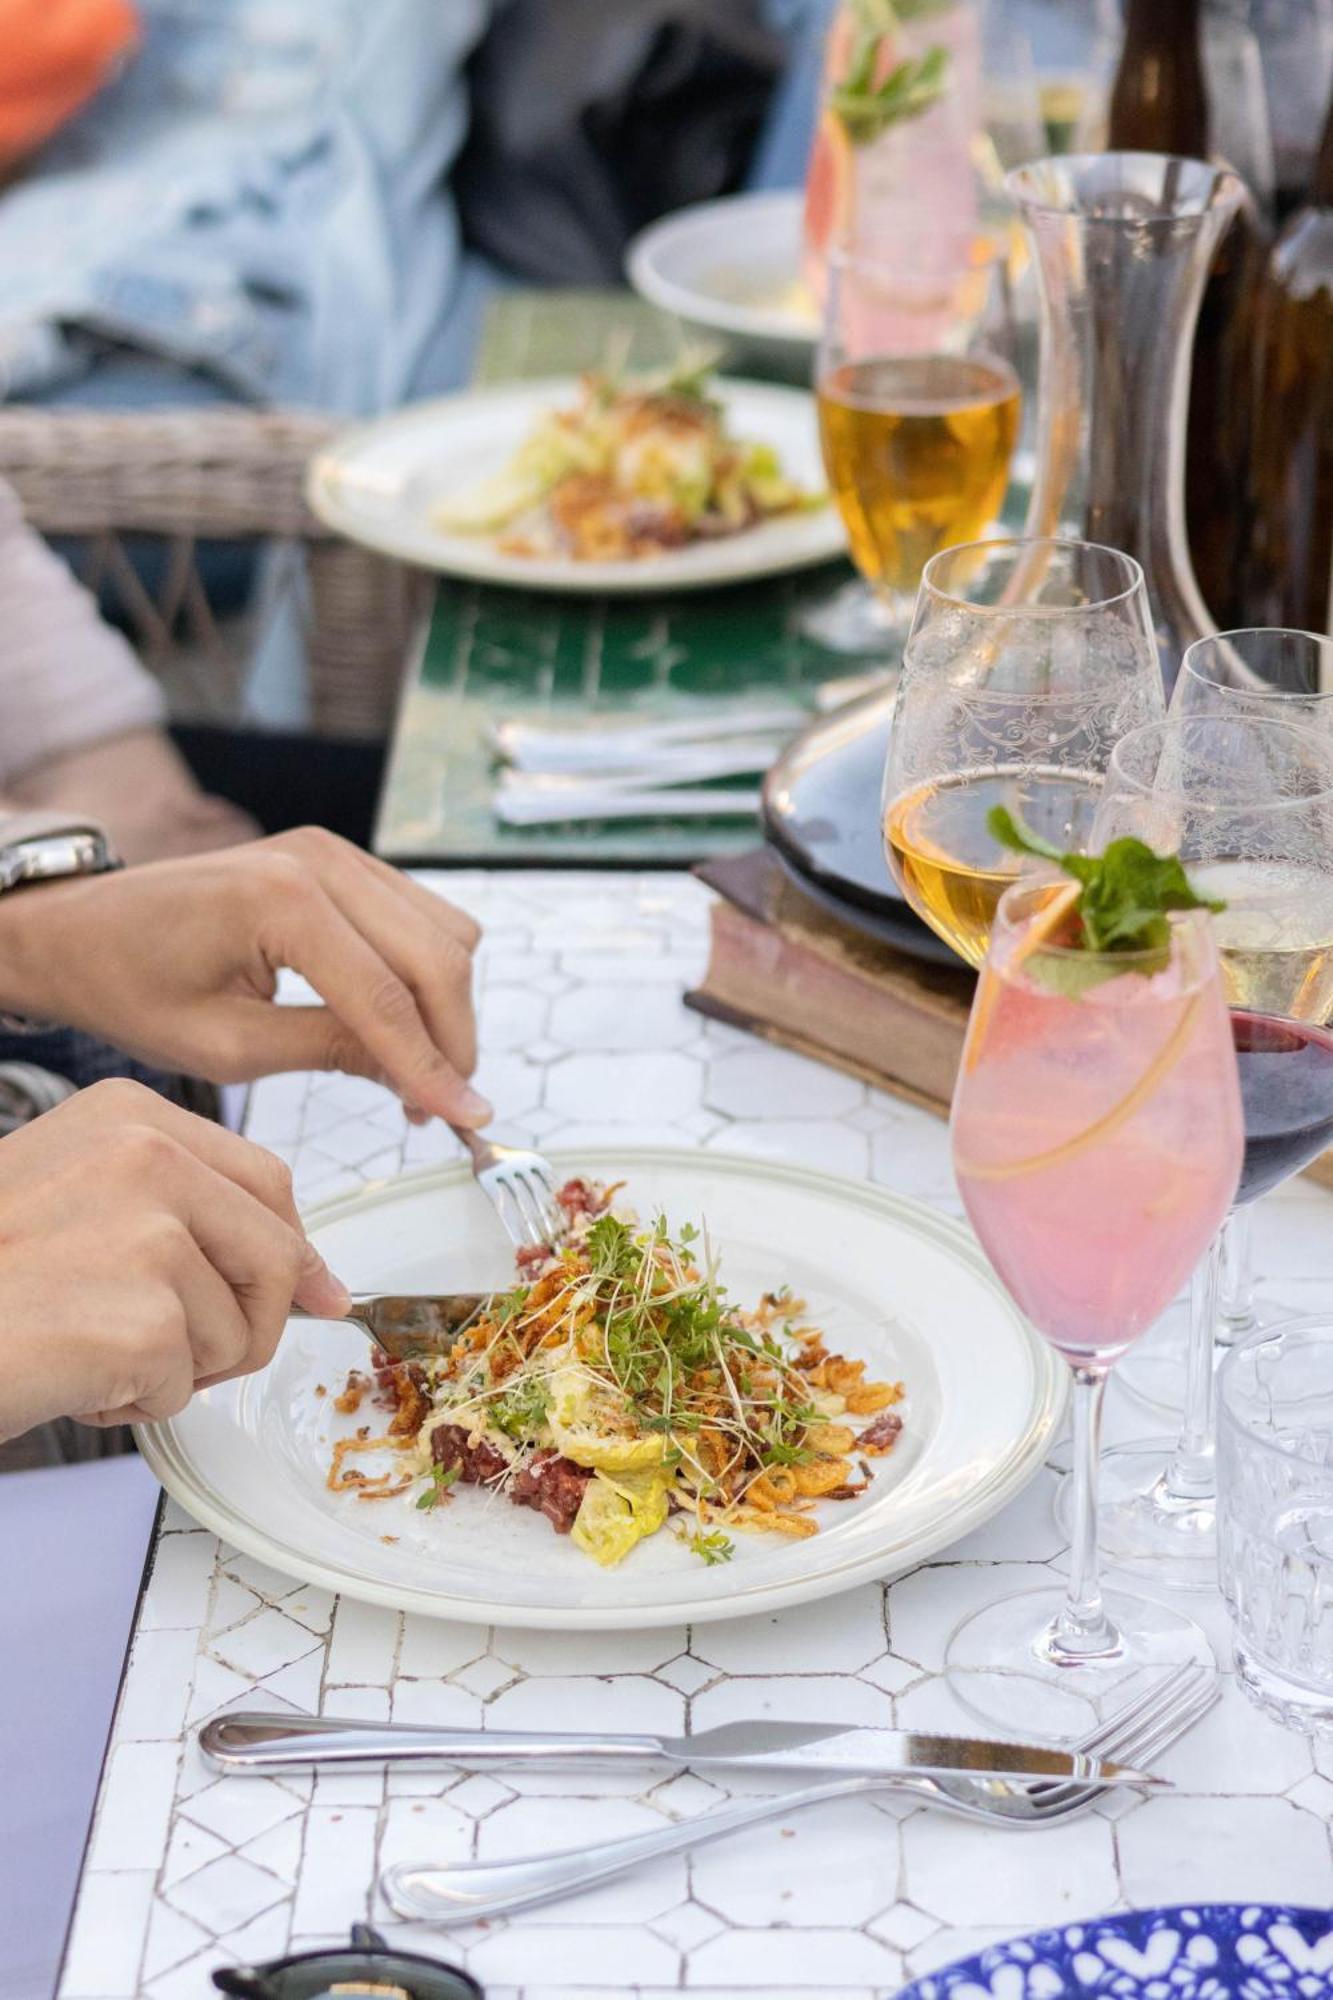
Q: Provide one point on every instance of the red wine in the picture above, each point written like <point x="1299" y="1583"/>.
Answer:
<point x="1286" y="1086"/>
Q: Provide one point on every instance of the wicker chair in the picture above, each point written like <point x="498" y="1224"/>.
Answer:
<point x="191" y="476"/>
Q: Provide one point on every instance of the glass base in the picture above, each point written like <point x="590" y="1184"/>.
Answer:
<point x="1143" y="1530"/>
<point x="1153" y="1372"/>
<point x="1001" y="1663"/>
<point x="854" y="619"/>
<point x="1258" y="1315"/>
<point x="1289" y="1702"/>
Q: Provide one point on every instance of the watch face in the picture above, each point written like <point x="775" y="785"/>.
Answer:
<point x="50" y="857"/>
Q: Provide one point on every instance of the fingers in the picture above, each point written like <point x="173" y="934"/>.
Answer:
<point x="380" y="1026"/>
<point x="243" y="1256"/>
<point x="434" y="909"/>
<point x="425" y="942"/>
<point x="259" y="1257"/>
<point x="131" y="1110"/>
<point x="216" y="1330"/>
<point x="432" y="964"/>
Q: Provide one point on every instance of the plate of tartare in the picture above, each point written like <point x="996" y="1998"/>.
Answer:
<point x="874" y="1341"/>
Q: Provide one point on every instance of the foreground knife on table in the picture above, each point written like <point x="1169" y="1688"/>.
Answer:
<point x="257" y="1743"/>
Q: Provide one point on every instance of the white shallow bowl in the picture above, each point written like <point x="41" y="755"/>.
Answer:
<point x="380" y="482"/>
<point x="731" y="271"/>
<point x="886" y="1277"/>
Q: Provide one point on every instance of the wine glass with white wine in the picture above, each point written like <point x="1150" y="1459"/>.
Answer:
<point x="1247" y="802"/>
<point x="1283" y="675"/>
<point x="918" y="415"/>
<point x="1026" y="663"/>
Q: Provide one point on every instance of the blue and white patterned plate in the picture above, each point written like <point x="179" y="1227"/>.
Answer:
<point x="1215" y="1951"/>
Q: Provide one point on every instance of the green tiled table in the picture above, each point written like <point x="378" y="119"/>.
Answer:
<point x="490" y="653"/>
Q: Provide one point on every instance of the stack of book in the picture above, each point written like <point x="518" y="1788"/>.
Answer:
<point x="785" y="969"/>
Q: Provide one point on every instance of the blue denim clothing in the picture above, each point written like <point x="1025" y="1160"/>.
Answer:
<point x="781" y="155"/>
<point x="261" y="195"/>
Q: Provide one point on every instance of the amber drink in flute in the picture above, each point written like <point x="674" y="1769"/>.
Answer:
<point x="1026" y="662"/>
<point x="917" y="451"/>
<point x="1097" y="1143"/>
<point x="918" y="415"/>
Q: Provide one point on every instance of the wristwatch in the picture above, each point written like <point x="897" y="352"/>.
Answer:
<point x="49" y="853"/>
<point x="48" y="847"/>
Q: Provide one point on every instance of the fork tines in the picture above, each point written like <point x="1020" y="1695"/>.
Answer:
<point x="1147" y="1723"/>
<point x="524" y="1199"/>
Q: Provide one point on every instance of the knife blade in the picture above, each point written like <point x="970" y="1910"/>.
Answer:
<point x="258" y="1743"/>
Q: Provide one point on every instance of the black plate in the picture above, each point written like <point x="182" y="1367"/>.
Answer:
<point x="821" y="814"/>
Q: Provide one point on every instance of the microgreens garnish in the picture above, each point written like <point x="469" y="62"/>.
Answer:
<point x="712" y="1548"/>
<point x="439" y="1480"/>
<point x="1124" y="899"/>
<point x="519" y="1413"/>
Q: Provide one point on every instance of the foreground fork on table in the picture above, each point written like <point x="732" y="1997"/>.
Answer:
<point x="459" y="1892"/>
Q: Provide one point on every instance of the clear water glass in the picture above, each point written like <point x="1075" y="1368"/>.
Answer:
<point x="1275" y="1518"/>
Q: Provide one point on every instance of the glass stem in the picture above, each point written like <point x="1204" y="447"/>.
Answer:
<point x="1236" y="1315"/>
<point x="1191" y="1475"/>
<point x="1083" y="1629"/>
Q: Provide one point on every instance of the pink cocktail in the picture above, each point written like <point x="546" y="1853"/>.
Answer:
<point x="1097" y="1139"/>
<point x="1095" y="1152"/>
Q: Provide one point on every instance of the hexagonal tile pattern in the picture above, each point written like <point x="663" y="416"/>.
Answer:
<point x="583" y="1034"/>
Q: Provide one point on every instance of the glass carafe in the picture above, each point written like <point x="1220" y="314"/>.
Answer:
<point x="1122" y="244"/>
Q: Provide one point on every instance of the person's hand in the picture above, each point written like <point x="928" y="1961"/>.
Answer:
<point x="177" y="962"/>
<point x="144" y="1253"/>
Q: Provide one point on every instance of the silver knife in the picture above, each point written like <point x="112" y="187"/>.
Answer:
<point x="255" y="1743"/>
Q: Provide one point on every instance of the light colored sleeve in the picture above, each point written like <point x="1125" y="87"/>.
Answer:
<point x="67" y="680"/>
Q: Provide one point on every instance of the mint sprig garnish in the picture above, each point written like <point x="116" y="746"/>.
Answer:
<point x="867" y="109"/>
<point x="1126" y="896"/>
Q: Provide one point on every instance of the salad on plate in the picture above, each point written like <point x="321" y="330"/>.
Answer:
<point x="637" y="467"/>
<point x="620" y="1392"/>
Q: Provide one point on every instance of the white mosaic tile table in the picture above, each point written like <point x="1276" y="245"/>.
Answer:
<point x="584" y="1039"/>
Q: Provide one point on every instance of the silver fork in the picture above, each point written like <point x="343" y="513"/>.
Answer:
<point x="461" y="1891"/>
<point x="521" y="1188"/>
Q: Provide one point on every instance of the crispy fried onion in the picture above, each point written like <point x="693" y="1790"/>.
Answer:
<point x="344" y="1478"/>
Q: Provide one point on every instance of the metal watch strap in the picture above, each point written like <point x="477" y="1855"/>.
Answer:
<point x="37" y="847"/>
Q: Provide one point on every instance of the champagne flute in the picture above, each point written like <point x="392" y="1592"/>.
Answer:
<point x="918" y="414"/>
<point x="1287" y="675"/>
<point x="1247" y="801"/>
<point x="1096" y="1142"/>
<point x="1027" y="662"/>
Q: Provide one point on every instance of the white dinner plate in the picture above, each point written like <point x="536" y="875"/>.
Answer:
<point x="381" y="482"/>
<point x="732" y="268"/>
<point x="887" y="1278"/>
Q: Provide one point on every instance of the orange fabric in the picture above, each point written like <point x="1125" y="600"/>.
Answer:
<point x="54" y="56"/>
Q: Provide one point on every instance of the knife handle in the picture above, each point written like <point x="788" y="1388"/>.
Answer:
<point x="255" y="1743"/>
<point x="461" y="1891"/>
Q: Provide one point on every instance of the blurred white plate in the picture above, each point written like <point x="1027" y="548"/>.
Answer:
<point x="732" y="268"/>
<point x="888" y="1279"/>
<point x="380" y="483"/>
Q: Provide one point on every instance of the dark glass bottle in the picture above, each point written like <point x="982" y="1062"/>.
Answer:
<point x="1289" y="572"/>
<point x="1159" y="103"/>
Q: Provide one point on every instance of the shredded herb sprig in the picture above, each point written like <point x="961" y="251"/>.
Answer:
<point x="1124" y="903"/>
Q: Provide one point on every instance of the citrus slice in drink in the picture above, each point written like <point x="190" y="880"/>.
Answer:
<point x="829" y="193"/>
<point x="1109" y="1123"/>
